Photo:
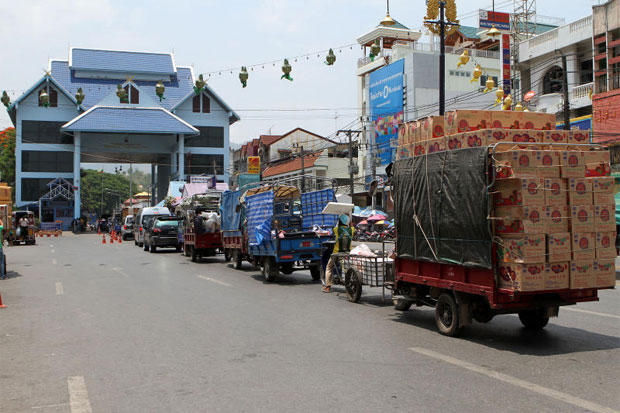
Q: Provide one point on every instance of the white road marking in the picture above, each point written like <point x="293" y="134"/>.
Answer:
<point x="54" y="261"/>
<point x="120" y="271"/>
<point x="52" y="251"/>
<point x="215" y="281"/>
<point x="567" y="398"/>
<point x="49" y="406"/>
<point x="59" y="289"/>
<point x="78" y="395"/>
<point x="578" y="310"/>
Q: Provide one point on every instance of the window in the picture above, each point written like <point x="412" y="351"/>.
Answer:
<point x="201" y="103"/>
<point x="133" y="94"/>
<point x="53" y="96"/>
<point x="552" y="81"/>
<point x="196" y="164"/>
<point x="47" y="161"/>
<point x="44" y="132"/>
<point x="34" y="188"/>
<point x="483" y="80"/>
<point x="210" y="137"/>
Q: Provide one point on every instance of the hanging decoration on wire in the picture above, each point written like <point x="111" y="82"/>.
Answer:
<point x="286" y="69"/>
<point x="476" y="75"/>
<point x="331" y="58"/>
<point x="499" y="94"/>
<point x="519" y="107"/>
<point x="243" y="76"/>
<point x="79" y="96"/>
<point x="122" y="94"/>
<point x="490" y="85"/>
<point x="159" y="90"/>
<point x="199" y="85"/>
<point x="44" y="97"/>
<point x="6" y="100"/>
<point x="375" y="49"/>
<point x="463" y="58"/>
<point x="507" y="103"/>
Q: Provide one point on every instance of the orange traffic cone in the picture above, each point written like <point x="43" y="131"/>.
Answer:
<point x="111" y="239"/>
<point x="98" y="231"/>
<point x="120" y="240"/>
<point x="1" y="305"/>
<point x="103" y="239"/>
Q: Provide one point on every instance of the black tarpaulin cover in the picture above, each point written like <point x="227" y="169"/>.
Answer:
<point x="441" y="208"/>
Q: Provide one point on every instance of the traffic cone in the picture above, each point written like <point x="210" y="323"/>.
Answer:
<point x="1" y="305"/>
<point x="103" y="239"/>
<point x="120" y="240"/>
<point x="111" y="240"/>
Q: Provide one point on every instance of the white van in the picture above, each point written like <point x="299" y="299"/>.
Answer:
<point x="144" y="218"/>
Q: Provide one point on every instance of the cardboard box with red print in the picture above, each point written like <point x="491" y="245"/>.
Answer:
<point x="584" y="246"/>
<point x="573" y="164"/>
<point x="582" y="275"/>
<point x="603" y="190"/>
<point x="432" y="127"/>
<point x="555" y="191"/>
<point x="402" y="134"/>
<point x="419" y="148"/>
<point x="559" y="247"/>
<point x="548" y="164"/>
<point x="522" y="248"/>
<point x="597" y="163"/>
<point x="578" y="137"/>
<point x="516" y="164"/>
<point x="454" y="142"/>
<point x="579" y="191"/>
<point x="520" y="220"/>
<point x="537" y="120"/>
<point x="557" y="218"/>
<point x="605" y="218"/>
<point x="414" y="131"/>
<point x="605" y="245"/>
<point x="505" y="119"/>
<point x="522" y="277"/>
<point x="526" y="136"/>
<point x="519" y="192"/>
<point x="459" y="121"/>
<point x="605" y="273"/>
<point x="582" y="218"/>
<point x="557" y="275"/>
<point x="435" y="145"/>
<point x="556" y="136"/>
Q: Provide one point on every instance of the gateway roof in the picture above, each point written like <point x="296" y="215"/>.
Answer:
<point x="121" y="61"/>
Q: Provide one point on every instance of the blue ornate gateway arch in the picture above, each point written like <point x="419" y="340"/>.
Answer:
<point x="119" y="107"/>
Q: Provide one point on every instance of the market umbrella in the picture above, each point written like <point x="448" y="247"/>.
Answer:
<point x="364" y="222"/>
<point x="380" y="222"/>
<point x="377" y="217"/>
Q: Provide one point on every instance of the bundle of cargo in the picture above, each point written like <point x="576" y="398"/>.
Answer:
<point x="551" y="211"/>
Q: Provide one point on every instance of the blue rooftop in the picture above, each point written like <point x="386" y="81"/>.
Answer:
<point x="129" y="120"/>
<point x="123" y="62"/>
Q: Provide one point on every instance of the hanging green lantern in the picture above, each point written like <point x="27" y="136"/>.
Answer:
<point x="159" y="90"/>
<point x="79" y="96"/>
<point x="122" y="94"/>
<point x="6" y="100"/>
<point x="331" y="58"/>
<point x="375" y="49"/>
<point x="199" y="85"/>
<point x="44" y="97"/>
<point x="286" y="69"/>
<point x="243" y="76"/>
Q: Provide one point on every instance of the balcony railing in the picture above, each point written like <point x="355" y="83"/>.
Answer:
<point x="366" y="60"/>
<point x="582" y="91"/>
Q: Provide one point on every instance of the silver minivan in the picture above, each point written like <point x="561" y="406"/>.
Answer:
<point x="144" y="217"/>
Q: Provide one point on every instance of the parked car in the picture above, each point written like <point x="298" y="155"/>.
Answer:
<point x="127" y="228"/>
<point x="162" y="232"/>
<point x="144" y="218"/>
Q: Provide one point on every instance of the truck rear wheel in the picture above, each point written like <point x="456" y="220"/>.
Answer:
<point x="237" y="259"/>
<point x="447" y="315"/>
<point x="315" y="272"/>
<point x="402" y="304"/>
<point x="194" y="254"/>
<point x="227" y="255"/>
<point x="287" y="268"/>
<point x="534" y="319"/>
<point x="270" y="269"/>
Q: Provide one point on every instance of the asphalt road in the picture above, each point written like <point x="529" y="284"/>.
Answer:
<point x="110" y="328"/>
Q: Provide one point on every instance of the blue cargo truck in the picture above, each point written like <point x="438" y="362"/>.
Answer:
<point x="286" y="229"/>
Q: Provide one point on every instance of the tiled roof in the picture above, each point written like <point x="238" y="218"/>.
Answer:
<point x="96" y="89"/>
<point x="469" y="32"/>
<point x="129" y="119"/>
<point x="396" y="25"/>
<point x="292" y="165"/>
<point x="119" y="61"/>
<point x="269" y="139"/>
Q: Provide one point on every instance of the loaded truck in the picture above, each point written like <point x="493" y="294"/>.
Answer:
<point x="514" y="219"/>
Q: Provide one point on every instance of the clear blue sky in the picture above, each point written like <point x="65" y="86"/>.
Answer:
<point x="212" y="35"/>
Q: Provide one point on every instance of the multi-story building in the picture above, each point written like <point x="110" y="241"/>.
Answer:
<point x="540" y="66"/>
<point x="606" y="98"/>
<point x="102" y="106"/>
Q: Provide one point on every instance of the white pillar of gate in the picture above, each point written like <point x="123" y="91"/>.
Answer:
<point x="77" y="182"/>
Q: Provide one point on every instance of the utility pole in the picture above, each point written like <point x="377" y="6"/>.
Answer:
<point x="353" y="169"/>
<point x="130" y="190"/>
<point x="565" y="90"/>
<point x="303" y="169"/>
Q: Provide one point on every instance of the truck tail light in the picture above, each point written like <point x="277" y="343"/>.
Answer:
<point x="156" y="230"/>
<point x="306" y="244"/>
<point x="286" y="257"/>
<point x="140" y="230"/>
<point x="125" y="227"/>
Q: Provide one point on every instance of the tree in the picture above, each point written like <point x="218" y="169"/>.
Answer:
<point x="140" y="179"/>
<point x="7" y="155"/>
<point x="115" y="187"/>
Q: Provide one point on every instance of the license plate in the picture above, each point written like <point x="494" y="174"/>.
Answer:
<point x="306" y="244"/>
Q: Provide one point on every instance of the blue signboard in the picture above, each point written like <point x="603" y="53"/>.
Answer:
<point x="386" y="108"/>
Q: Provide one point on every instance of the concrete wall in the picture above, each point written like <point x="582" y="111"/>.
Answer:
<point x="606" y="17"/>
<point x="301" y="138"/>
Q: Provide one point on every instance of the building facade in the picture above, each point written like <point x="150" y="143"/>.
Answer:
<point x="102" y="106"/>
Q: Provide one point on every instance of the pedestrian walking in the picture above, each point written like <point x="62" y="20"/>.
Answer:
<point x="2" y="266"/>
<point x="343" y="233"/>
